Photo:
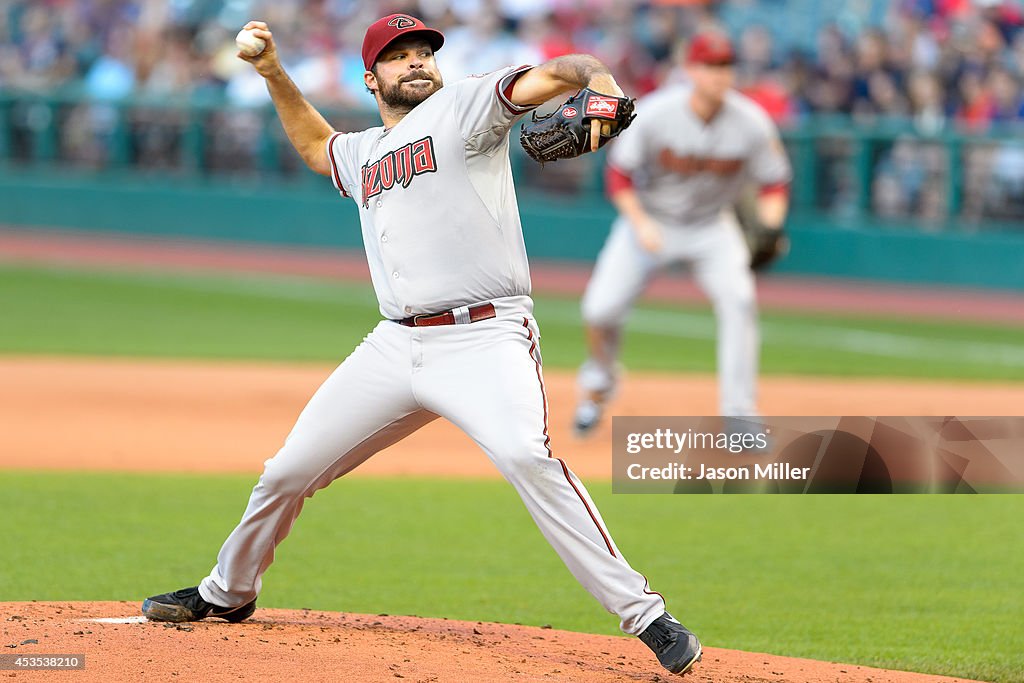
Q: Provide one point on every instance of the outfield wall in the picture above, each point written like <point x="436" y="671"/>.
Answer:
<point x="312" y="214"/>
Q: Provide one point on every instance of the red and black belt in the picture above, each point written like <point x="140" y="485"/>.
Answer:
<point x="462" y="315"/>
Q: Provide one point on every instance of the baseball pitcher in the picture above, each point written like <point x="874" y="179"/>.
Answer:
<point x="441" y="228"/>
<point x="673" y="176"/>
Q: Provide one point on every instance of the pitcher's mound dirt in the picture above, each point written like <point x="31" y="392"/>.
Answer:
<point x="305" y="645"/>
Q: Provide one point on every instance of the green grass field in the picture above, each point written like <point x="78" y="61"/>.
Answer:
<point x="235" y="316"/>
<point x="923" y="583"/>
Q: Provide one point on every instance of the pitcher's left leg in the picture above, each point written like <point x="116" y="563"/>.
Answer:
<point x="493" y="389"/>
<point x="722" y="271"/>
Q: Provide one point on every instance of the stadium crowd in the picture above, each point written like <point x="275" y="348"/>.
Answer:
<point x="935" y="64"/>
<point x="929" y="59"/>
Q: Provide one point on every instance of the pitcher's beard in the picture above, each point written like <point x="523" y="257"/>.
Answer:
<point x="397" y="97"/>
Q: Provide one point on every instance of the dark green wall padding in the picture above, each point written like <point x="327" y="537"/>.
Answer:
<point x="310" y="213"/>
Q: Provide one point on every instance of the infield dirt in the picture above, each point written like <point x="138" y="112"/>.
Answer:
<point x="191" y="416"/>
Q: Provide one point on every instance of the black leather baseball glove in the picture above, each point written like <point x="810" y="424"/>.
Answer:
<point x="565" y="134"/>
<point x="767" y="245"/>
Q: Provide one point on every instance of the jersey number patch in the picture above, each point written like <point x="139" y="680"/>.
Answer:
<point x="398" y="168"/>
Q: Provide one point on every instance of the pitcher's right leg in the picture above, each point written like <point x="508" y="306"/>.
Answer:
<point x="363" y="407"/>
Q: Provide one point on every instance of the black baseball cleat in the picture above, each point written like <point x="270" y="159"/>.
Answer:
<point x="187" y="605"/>
<point x="676" y="647"/>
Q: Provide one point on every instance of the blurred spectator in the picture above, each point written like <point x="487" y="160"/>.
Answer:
<point x="876" y="87"/>
<point x="926" y="105"/>
<point x="908" y="181"/>
<point x="541" y="34"/>
<point x="975" y="109"/>
<point x="112" y="75"/>
<point x="755" y="52"/>
<point x="1004" y="196"/>
<point x="759" y="78"/>
<point x="614" y="39"/>
<point x="1005" y="95"/>
<point x="481" y="46"/>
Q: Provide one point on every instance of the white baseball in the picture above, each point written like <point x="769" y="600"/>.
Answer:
<point x="249" y="44"/>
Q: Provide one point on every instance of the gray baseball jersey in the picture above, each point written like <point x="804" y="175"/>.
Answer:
<point x="685" y="171"/>
<point x="436" y="200"/>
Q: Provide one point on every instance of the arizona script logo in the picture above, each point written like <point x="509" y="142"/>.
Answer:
<point x="398" y="168"/>
<point x="689" y="164"/>
<point x="401" y="22"/>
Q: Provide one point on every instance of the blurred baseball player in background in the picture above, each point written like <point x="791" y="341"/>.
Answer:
<point x="673" y="176"/>
<point x="445" y="248"/>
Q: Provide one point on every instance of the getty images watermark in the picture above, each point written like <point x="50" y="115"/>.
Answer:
<point x="753" y="439"/>
<point x="818" y="454"/>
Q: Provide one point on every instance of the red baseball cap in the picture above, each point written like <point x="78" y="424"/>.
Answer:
<point x="711" y="48"/>
<point x="388" y="29"/>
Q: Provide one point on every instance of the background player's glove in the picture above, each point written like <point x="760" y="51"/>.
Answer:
<point x="565" y="134"/>
<point x="766" y="244"/>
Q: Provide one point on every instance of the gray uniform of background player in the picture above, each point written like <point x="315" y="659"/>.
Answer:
<point x="441" y="229"/>
<point x="687" y="174"/>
